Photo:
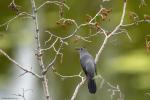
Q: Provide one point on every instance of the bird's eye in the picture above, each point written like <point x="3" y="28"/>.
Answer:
<point x="81" y="48"/>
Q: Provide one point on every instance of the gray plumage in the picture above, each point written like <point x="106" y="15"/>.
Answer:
<point x="89" y="68"/>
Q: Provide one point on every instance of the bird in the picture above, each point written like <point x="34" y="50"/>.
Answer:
<point x="89" y="67"/>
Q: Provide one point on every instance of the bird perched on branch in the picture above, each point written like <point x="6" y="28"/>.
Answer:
<point x="89" y="68"/>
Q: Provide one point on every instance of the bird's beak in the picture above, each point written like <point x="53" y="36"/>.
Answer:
<point x="77" y="49"/>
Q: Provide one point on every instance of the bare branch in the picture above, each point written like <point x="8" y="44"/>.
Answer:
<point x="113" y="32"/>
<point x="97" y="14"/>
<point x="76" y="30"/>
<point x="132" y="24"/>
<point x="53" y="2"/>
<point x="19" y="65"/>
<point x="101" y="49"/>
<point x="52" y="34"/>
<point x="112" y="89"/>
<point x="52" y="62"/>
<point x="69" y="21"/>
<point x="50" y="46"/>
<point x="82" y="38"/>
<point x="67" y="76"/>
<point x="57" y="37"/>
<point x="77" y="88"/>
<point x="39" y="53"/>
<point x="143" y="3"/>
<point x="21" y="95"/>
<point x="72" y="76"/>
<point x="9" y="21"/>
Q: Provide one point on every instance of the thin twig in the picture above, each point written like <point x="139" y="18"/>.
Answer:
<point x="77" y="88"/>
<point x="132" y="24"/>
<point x="113" y="88"/>
<point x="112" y="33"/>
<point x="52" y="62"/>
<point x="67" y="76"/>
<point x="53" y="2"/>
<point x="97" y="14"/>
<point x="76" y="30"/>
<point x="9" y="21"/>
<point x="19" y="65"/>
<point x="50" y="46"/>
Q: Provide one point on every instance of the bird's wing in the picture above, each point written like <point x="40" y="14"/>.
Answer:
<point x="88" y="65"/>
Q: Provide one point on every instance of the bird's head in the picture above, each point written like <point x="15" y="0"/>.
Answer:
<point x="81" y="50"/>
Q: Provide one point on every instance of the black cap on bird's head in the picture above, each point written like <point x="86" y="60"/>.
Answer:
<point x="80" y="49"/>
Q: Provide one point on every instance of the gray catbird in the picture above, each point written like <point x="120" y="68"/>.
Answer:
<point x="89" y="68"/>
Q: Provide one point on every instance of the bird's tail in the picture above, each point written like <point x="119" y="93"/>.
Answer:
<point x="91" y="85"/>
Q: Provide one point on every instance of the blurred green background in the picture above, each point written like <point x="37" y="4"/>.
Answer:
<point x="123" y="62"/>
